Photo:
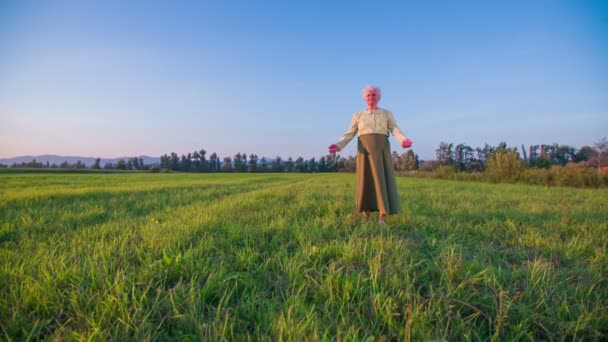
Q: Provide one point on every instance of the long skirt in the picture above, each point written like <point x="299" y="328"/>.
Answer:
<point x="376" y="181"/>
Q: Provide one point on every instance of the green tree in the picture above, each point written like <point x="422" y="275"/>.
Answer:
<point x="300" y="165"/>
<point x="245" y="165"/>
<point x="583" y="154"/>
<point x="312" y="165"/>
<point x="96" y="165"/>
<point x="214" y="162"/>
<point x="277" y="165"/>
<point x="263" y="167"/>
<point x="227" y="166"/>
<point x="289" y="164"/>
<point x="174" y="162"/>
<point x="253" y="163"/>
<point x="121" y="164"/>
<point x="445" y="154"/>
<point x="238" y="162"/>
<point x="322" y="165"/>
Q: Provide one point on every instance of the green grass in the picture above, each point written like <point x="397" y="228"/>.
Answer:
<point x="284" y="256"/>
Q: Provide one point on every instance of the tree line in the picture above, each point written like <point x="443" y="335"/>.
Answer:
<point x="464" y="158"/>
<point x="197" y="161"/>
<point x="459" y="158"/>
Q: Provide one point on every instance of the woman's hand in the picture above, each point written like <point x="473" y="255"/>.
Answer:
<point x="333" y="148"/>
<point x="406" y="143"/>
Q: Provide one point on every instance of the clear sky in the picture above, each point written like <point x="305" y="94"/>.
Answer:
<point x="125" y="78"/>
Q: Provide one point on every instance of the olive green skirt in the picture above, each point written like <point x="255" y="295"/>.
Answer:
<point x="376" y="181"/>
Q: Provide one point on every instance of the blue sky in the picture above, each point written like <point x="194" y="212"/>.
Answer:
<point x="123" y="78"/>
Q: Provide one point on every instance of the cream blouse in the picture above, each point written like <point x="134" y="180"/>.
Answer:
<point x="379" y="121"/>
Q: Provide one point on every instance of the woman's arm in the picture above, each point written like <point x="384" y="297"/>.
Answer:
<point x="350" y="133"/>
<point x="394" y="129"/>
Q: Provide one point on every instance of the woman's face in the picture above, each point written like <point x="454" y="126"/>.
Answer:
<point x="372" y="97"/>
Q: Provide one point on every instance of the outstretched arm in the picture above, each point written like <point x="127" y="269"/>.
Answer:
<point x="348" y="136"/>
<point x="394" y="129"/>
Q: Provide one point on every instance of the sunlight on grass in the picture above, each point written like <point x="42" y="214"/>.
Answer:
<point x="227" y="256"/>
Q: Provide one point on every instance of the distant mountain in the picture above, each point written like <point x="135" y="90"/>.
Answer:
<point x="88" y="161"/>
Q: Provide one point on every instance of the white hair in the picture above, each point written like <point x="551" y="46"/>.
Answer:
<point x="369" y="88"/>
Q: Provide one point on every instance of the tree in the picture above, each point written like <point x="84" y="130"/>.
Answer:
<point x="263" y="167"/>
<point x="289" y="165"/>
<point x="312" y="165"/>
<point x="196" y="161"/>
<point x="349" y="165"/>
<point x="204" y="166"/>
<point x="409" y="161"/>
<point x="300" y="165"/>
<point x="583" y="154"/>
<point x="238" y="162"/>
<point x="483" y="153"/>
<point x="244" y="166"/>
<point x="277" y="166"/>
<point x="165" y="162"/>
<point x="444" y="153"/>
<point x="213" y="162"/>
<point x="253" y="163"/>
<point x="186" y="162"/>
<point x="462" y="157"/>
<point x="601" y="152"/>
<point x="397" y="161"/>
<point x="322" y="166"/>
<point x="332" y="162"/>
<point x="96" y="165"/>
<point x="227" y="167"/>
<point x="137" y="165"/>
<point x="174" y="162"/>
<point x="121" y="164"/>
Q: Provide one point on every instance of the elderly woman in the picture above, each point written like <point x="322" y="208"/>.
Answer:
<point x="376" y="181"/>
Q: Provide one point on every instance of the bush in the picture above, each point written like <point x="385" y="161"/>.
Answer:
<point x="471" y="176"/>
<point x="536" y="176"/>
<point x="504" y="166"/>
<point x="576" y="175"/>
<point x="444" y="172"/>
<point x="154" y="169"/>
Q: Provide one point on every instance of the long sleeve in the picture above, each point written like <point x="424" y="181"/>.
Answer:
<point x="350" y="133"/>
<point x="394" y="129"/>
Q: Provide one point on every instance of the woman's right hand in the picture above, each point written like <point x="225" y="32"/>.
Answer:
<point x="333" y="148"/>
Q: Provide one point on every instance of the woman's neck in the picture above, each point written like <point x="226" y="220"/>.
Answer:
<point x="374" y="107"/>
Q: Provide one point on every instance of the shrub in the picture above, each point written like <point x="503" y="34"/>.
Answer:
<point x="504" y="165"/>
<point x="576" y="175"/>
<point x="154" y="169"/>
<point x="536" y="176"/>
<point x="444" y="172"/>
<point x="470" y="176"/>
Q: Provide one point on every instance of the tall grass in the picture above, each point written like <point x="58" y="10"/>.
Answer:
<point x="283" y="256"/>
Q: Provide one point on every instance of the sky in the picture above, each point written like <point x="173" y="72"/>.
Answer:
<point x="129" y="78"/>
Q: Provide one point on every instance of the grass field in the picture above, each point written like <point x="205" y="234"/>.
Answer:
<point x="284" y="256"/>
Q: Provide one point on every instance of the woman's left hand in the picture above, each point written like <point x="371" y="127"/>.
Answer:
<point x="406" y="143"/>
